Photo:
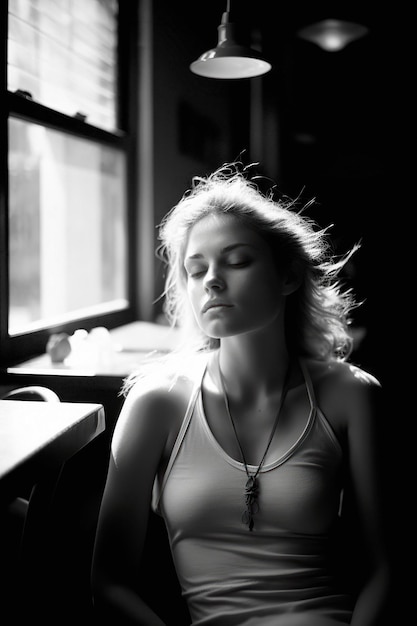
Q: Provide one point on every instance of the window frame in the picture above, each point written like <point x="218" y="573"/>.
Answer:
<point x="23" y="346"/>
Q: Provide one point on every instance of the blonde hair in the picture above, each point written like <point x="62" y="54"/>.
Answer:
<point x="317" y="313"/>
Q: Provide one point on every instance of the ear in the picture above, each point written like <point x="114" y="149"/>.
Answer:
<point x="291" y="281"/>
<point x="289" y="286"/>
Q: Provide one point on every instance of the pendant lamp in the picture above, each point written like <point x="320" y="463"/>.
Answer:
<point x="332" y="35"/>
<point x="230" y="58"/>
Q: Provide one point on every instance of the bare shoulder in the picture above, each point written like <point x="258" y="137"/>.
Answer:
<point x="345" y="392"/>
<point x="341" y="375"/>
<point x="153" y="410"/>
<point x="156" y="400"/>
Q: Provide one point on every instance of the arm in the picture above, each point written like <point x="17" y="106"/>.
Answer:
<point x="364" y="402"/>
<point x="137" y="447"/>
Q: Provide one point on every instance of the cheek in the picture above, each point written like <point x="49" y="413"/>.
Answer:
<point x="263" y="302"/>
<point x="194" y="296"/>
<point x="264" y="290"/>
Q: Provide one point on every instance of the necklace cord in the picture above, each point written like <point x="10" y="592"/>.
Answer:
<point x="252" y="487"/>
<point x="274" y="427"/>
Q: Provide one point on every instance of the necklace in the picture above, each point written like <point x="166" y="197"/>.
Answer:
<point x="252" y="484"/>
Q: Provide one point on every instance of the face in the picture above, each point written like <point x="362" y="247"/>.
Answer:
<point x="233" y="284"/>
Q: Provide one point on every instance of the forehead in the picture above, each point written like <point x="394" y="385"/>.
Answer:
<point x="219" y="232"/>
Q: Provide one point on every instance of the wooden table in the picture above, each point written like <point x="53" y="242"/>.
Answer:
<point x="36" y="440"/>
<point x="37" y="437"/>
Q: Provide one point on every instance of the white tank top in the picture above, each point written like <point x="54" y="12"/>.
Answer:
<point x="277" y="575"/>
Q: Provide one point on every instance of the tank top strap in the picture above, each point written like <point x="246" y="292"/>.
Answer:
<point x="309" y="384"/>
<point x="157" y="492"/>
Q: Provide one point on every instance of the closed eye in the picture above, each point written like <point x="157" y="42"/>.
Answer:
<point x="194" y="272"/>
<point x="239" y="263"/>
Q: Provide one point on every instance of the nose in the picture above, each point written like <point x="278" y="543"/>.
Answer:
<point x="213" y="280"/>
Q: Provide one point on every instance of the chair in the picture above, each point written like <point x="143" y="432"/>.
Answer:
<point x="31" y="392"/>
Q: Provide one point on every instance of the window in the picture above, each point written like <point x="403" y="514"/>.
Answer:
<point x="66" y="203"/>
<point x="65" y="55"/>
<point x="67" y="226"/>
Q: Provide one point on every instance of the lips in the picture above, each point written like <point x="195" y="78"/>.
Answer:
<point x="213" y="305"/>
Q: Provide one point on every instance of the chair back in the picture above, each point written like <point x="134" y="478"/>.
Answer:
<point x="36" y="393"/>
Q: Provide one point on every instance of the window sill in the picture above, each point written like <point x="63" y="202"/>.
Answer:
<point x="131" y="343"/>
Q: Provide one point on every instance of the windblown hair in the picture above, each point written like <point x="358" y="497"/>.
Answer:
<point x="317" y="313"/>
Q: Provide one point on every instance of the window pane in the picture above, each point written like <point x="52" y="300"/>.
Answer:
<point x="65" y="54"/>
<point x="68" y="244"/>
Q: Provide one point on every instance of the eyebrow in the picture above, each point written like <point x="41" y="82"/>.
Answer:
<point x="229" y="248"/>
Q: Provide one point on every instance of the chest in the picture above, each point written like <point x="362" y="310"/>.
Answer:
<point x="298" y="492"/>
<point x="257" y="432"/>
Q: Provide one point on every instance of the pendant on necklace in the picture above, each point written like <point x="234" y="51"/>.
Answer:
<point x="251" y="500"/>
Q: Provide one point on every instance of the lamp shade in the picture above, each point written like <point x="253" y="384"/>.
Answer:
<point x="332" y="35"/>
<point x="230" y="59"/>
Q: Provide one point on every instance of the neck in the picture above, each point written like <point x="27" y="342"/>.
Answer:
<point x="253" y="366"/>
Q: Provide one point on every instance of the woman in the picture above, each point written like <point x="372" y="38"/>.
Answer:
<point x="246" y="438"/>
